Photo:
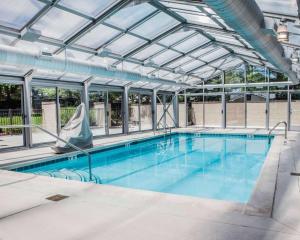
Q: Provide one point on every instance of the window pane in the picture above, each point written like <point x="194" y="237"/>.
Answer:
<point x="134" y="112"/>
<point x="128" y="16"/>
<point x="295" y="111"/>
<point x="97" y="112"/>
<point x="146" y="112"/>
<point x="165" y="57"/>
<point x="59" y="24"/>
<point x="16" y="13"/>
<point x="125" y="44"/>
<point x="191" y="43"/>
<point x="170" y="117"/>
<point x="148" y="52"/>
<point x="44" y="113"/>
<point x="235" y="110"/>
<point x="11" y="113"/>
<point x="256" y="74"/>
<point x="69" y="100"/>
<point x="213" y="111"/>
<point x="115" y="119"/>
<point x="175" y="37"/>
<point x="98" y="36"/>
<point x="157" y="24"/>
<point x="195" y="111"/>
<point x="277" y="77"/>
<point x="256" y="110"/>
<point x="235" y="75"/>
<point x="89" y="7"/>
<point x="278" y="108"/>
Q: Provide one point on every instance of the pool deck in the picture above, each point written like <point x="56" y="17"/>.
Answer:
<point x="106" y="212"/>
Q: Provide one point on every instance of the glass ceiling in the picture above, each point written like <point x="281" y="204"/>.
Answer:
<point x="168" y="39"/>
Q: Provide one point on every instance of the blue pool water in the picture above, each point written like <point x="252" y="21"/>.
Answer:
<point x="222" y="167"/>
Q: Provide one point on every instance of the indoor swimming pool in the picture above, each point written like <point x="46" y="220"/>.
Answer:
<point x="216" y="166"/>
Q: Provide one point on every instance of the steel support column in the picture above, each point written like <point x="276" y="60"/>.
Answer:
<point x="125" y="110"/>
<point x="27" y="107"/>
<point x="154" y="109"/>
<point x="176" y="110"/>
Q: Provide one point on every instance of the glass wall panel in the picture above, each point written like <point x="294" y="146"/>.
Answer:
<point x="256" y="74"/>
<point x="146" y="112"/>
<point x="278" y="107"/>
<point x="115" y="116"/>
<point x="69" y="100"/>
<point x="43" y="113"/>
<point x="160" y="111"/>
<point x="236" y="75"/>
<point x="277" y="77"/>
<point x="235" y="110"/>
<point x="256" y="110"/>
<point x="170" y="117"/>
<point x="11" y="113"/>
<point x="295" y="111"/>
<point x="195" y="110"/>
<point x="134" y="112"/>
<point x="213" y="111"/>
<point x="97" y="103"/>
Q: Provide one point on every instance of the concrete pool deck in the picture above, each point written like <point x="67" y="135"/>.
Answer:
<point x="106" y="212"/>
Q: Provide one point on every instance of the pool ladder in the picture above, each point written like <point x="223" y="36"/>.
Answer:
<point x="273" y="128"/>
<point x="60" y="139"/>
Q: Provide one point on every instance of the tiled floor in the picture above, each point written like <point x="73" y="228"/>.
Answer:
<point x="107" y="212"/>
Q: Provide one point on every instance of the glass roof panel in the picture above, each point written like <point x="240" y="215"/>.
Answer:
<point x="214" y="55"/>
<point x="191" y="43"/>
<point x="165" y="56"/>
<point x="201" y="19"/>
<point x="180" y="62"/>
<point x="183" y="6"/>
<point x="226" y="39"/>
<point x="192" y="65"/>
<point x="125" y="44"/>
<point x="128" y="16"/>
<point x="16" y="13"/>
<point x="148" y="52"/>
<point x="286" y="7"/>
<point x="98" y="36"/>
<point x="88" y="7"/>
<point x="205" y="50"/>
<point x="155" y="25"/>
<point x="59" y="24"/>
<point x="175" y="37"/>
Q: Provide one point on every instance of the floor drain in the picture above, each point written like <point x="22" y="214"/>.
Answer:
<point x="57" y="197"/>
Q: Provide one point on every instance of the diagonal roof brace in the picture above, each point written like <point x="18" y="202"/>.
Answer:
<point x="246" y="18"/>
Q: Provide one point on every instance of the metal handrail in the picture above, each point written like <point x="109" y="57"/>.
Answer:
<point x="58" y="138"/>
<point x="273" y="128"/>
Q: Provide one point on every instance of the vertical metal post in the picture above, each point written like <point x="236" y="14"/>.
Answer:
<point x="245" y="94"/>
<point x="106" y="112"/>
<point x="27" y="107"/>
<point x="176" y="110"/>
<point x="186" y="109"/>
<point x="223" y="102"/>
<point x="139" y="110"/>
<point x="154" y="109"/>
<point x="289" y="109"/>
<point x="268" y="99"/>
<point x="58" y="118"/>
<point x="125" y="110"/>
<point x="223" y="110"/>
